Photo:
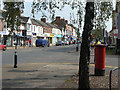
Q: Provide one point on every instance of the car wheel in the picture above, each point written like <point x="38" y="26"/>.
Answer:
<point x="43" y="45"/>
<point x="4" y="49"/>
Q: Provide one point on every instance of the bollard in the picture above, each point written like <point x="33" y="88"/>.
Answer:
<point x="15" y="60"/>
<point x="100" y="59"/>
<point x="76" y="48"/>
<point x="15" y="56"/>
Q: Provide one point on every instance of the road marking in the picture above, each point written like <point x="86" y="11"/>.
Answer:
<point x="56" y="63"/>
<point x="105" y="66"/>
<point x="75" y="64"/>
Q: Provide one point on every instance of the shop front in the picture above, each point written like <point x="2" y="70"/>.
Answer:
<point x="57" y="38"/>
<point x="40" y="36"/>
<point x="3" y="37"/>
<point x="51" y="39"/>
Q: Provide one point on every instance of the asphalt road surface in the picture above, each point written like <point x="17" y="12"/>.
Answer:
<point x="55" y="54"/>
<point x="59" y="54"/>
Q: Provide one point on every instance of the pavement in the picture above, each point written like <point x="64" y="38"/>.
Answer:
<point x="22" y="47"/>
<point x="37" y="75"/>
<point x="96" y="82"/>
<point x="19" y="47"/>
<point x="54" y="75"/>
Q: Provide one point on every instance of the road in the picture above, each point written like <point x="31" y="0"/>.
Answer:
<point x="59" y="54"/>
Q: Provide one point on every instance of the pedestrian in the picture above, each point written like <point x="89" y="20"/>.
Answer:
<point x="30" y="43"/>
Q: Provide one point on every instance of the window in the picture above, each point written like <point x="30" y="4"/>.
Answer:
<point x="31" y="28"/>
<point x="34" y="28"/>
<point x="28" y="26"/>
<point x="46" y="30"/>
<point x="43" y="30"/>
<point x="50" y="31"/>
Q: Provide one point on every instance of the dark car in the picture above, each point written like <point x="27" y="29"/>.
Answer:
<point x="3" y="47"/>
<point x="42" y="42"/>
<point x="59" y="43"/>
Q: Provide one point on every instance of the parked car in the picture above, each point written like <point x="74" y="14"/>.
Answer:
<point x="63" y="43"/>
<point x="66" y="42"/>
<point x="42" y="42"/>
<point x="59" y="43"/>
<point x="3" y="47"/>
<point x="74" y="42"/>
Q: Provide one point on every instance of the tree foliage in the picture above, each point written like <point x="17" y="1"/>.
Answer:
<point x="12" y="14"/>
<point x="51" y="6"/>
<point x="103" y="12"/>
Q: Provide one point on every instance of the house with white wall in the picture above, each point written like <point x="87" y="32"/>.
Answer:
<point x="37" y="31"/>
<point x="56" y="32"/>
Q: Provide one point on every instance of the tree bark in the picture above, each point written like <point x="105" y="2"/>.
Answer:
<point x="85" y="47"/>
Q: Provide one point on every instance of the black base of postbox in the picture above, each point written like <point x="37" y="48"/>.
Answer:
<point x="99" y="72"/>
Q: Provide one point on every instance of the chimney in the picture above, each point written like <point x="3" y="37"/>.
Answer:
<point x="66" y="21"/>
<point x="63" y="20"/>
<point x="57" y="20"/>
<point x="43" y="19"/>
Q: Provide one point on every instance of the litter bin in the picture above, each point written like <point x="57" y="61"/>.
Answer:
<point x="100" y="59"/>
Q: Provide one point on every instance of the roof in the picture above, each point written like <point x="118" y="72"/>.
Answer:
<point x="61" y="25"/>
<point x="42" y="23"/>
<point x="24" y="19"/>
<point x="34" y="22"/>
<point x="51" y="25"/>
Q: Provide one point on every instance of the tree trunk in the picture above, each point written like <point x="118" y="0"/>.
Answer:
<point x="85" y="50"/>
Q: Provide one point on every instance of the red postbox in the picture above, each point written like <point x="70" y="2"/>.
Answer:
<point x="100" y="59"/>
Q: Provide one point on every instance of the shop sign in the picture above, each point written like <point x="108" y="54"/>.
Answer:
<point x="51" y="35"/>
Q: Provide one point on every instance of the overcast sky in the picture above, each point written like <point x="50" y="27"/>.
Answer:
<point x="65" y="13"/>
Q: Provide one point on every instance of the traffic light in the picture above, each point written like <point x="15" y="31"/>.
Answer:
<point x="24" y="32"/>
